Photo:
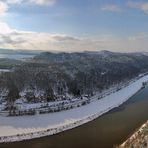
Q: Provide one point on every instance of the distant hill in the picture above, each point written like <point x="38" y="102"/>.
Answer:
<point x="11" y="51"/>
<point x="76" y="74"/>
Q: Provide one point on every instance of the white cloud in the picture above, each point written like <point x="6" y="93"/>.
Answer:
<point x="36" y="2"/>
<point x="18" y="39"/>
<point x="34" y="40"/>
<point x="15" y="39"/>
<point x="139" y="5"/>
<point x="112" y="8"/>
<point x="3" y="8"/>
<point x="140" y="36"/>
<point x="5" y="4"/>
<point x="13" y="1"/>
<point x="4" y="28"/>
<point x="43" y="2"/>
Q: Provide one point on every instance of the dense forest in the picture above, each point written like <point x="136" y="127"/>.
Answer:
<point x="50" y="76"/>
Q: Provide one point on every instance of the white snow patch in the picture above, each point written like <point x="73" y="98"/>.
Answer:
<point x="28" y="127"/>
<point x="5" y="70"/>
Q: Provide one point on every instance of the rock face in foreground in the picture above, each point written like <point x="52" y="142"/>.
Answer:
<point x="139" y="139"/>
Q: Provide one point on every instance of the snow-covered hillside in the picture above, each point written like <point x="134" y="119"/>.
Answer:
<point x="28" y="127"/>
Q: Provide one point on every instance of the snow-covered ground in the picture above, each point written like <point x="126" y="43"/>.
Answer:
<point x="28" y="127"/>
<point x="4" y="70"/>
<point x="23" y="107"/>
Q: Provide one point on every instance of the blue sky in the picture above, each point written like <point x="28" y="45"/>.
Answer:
<point x="71" y="25"/>
<point x="79" y="17"/>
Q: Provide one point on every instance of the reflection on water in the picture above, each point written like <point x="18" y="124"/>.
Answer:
<point x="104" y="132"/>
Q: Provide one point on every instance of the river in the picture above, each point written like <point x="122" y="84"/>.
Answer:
<point x="105" y="132"/>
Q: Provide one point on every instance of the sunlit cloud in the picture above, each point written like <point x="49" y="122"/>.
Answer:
<point x="13" y="1"/>
<point x="20" y="39"/>
<point x="43" y="2"/>
<point x="139" y="5"/>
<point x="3" y="8"/>
<point x="4" y="28"/>
<point x="17" y="39"/>
<point x="139" y="36"/>
<point x="36" y="2"/>
<point x="111" y="8"/>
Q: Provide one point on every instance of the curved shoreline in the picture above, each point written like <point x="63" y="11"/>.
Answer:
<point x="53" y="131"/>
<point x="73" y="123"/>
<point x="135" y="136"/>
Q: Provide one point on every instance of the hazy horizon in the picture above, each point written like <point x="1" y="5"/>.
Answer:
<point x="31" y="51"/>
<point x="74" y="26"/>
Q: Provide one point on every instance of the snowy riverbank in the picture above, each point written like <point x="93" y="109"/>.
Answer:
<point x="28" y="127"/>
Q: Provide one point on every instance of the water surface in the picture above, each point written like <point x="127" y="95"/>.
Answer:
<point x="104" y="132"/>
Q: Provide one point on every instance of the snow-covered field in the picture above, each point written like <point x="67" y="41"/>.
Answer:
<point x="28" y="127"/>
<point x="4" y="70"/>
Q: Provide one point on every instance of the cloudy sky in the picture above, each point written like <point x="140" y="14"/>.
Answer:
<point x="74" y="25"/>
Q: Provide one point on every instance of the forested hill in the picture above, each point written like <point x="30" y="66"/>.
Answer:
<point x="76" y="74"/>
